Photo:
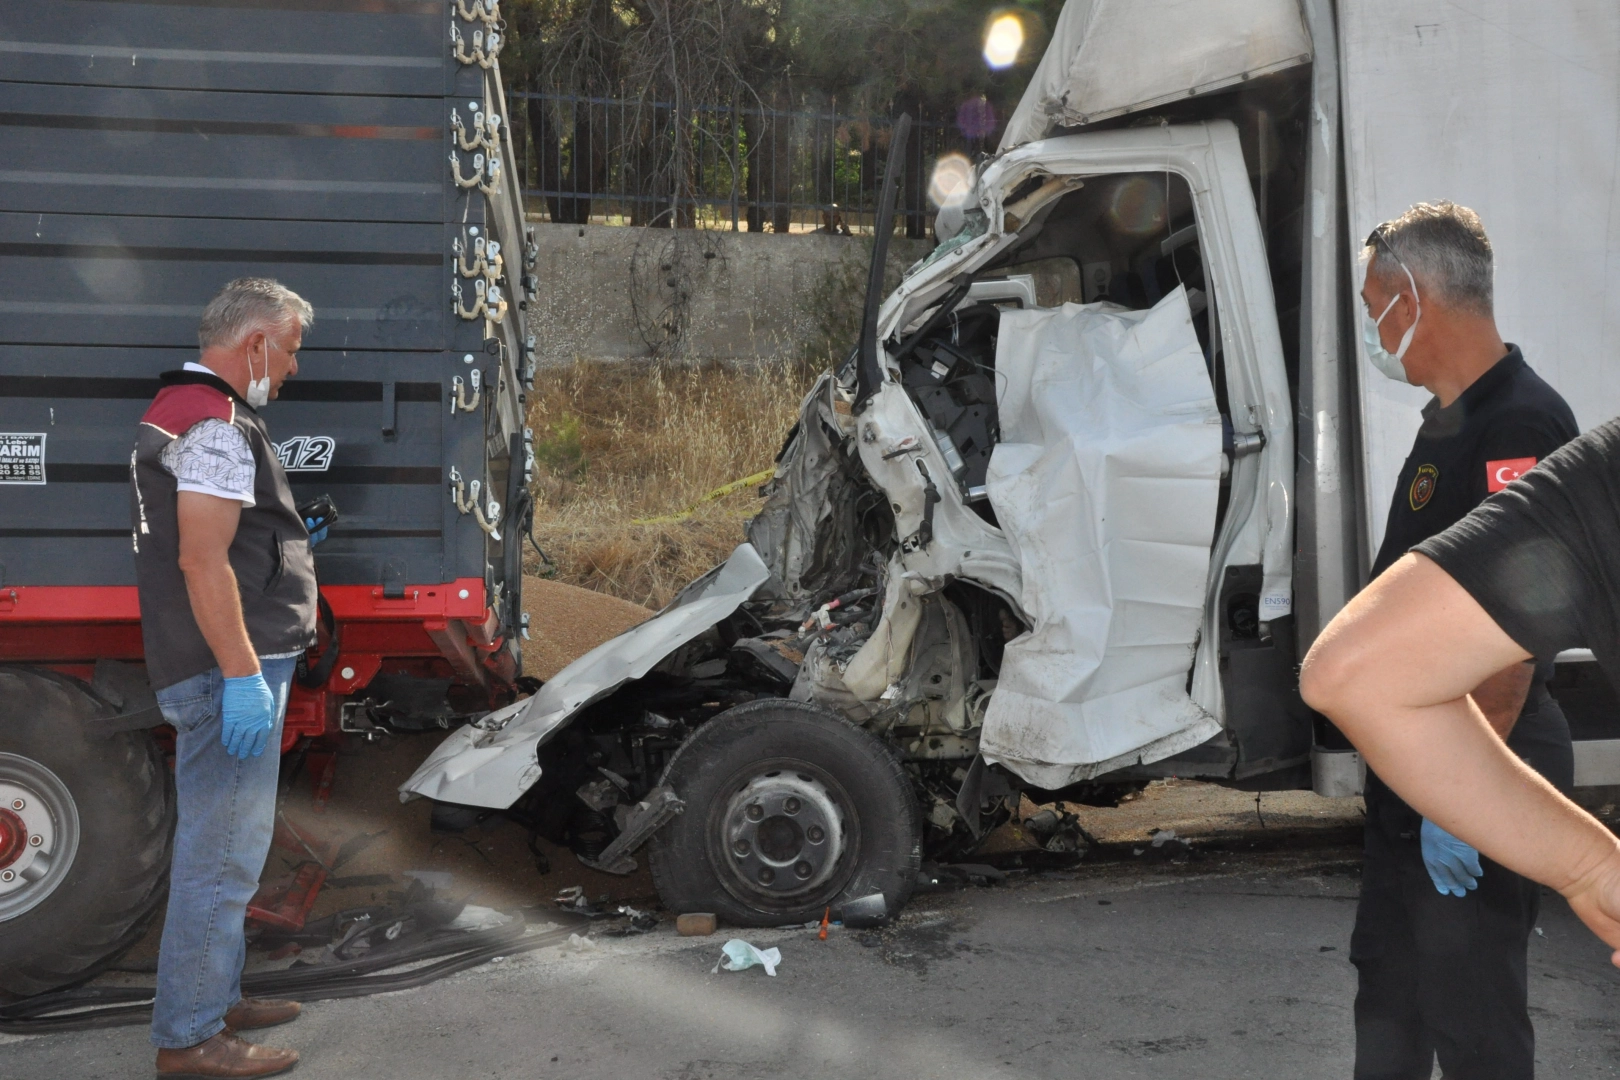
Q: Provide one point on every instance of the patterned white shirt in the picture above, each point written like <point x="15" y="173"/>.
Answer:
<point x="213" y="458"/>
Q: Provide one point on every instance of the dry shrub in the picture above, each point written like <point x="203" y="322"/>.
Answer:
<point x="622" y="441"/>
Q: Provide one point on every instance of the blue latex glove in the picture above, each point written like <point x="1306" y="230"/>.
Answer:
<point x="1453" y="866"/>
<point x="315" y="535"/>
<point x="249" y="712"/>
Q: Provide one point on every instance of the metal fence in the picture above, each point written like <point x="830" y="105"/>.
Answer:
<point x="625" y="162"/>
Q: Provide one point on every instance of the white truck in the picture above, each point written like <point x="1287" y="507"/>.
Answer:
<point x="1103" y="464"/>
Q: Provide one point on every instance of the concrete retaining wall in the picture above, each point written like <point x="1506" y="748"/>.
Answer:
<point x="604" y="291"/>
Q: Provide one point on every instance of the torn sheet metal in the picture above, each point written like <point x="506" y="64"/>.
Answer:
<point x="1109" y="57"/>
<point x="1105" y="482"/>
<point x="493" y="762"/>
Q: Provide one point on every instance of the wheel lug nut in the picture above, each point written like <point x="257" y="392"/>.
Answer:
<point x="803" y="869"/>
<point x="766" y="875"/>
<point x="17" y="804"/>
<point x="791" y="806"/>
<point x="742" y="847"/>
<point x="35" y="841"/>
<point x="815" y="834"/>
<point x="756" y="812"/>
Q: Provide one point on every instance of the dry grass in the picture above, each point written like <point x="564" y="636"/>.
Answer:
<point x="621" y="441"/>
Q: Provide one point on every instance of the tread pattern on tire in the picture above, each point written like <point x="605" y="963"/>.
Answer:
<point x="675" y="880"/>
<point x="98" y="912"/>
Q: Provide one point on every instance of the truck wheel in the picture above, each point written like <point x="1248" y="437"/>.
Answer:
<point x="86" y="824"/>
<point x="789" y="810"/>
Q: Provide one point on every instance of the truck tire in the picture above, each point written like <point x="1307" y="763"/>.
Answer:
<point x="789" y="810"/>
<point x="103" y="809"/>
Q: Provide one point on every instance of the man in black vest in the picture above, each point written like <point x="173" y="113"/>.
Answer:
<point x="228" y="604"/>
<point x="1440" y="935"/>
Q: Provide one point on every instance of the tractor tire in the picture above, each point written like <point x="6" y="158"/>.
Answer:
<point x="86" y="830"/>
<point x="790" y="810"/>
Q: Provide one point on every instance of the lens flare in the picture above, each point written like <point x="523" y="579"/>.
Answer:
<point x="1136" y="206"/>
<point x="1003" y="41"/>
<point x="952" y="180"/>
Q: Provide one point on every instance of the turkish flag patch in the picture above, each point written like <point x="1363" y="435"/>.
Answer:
<point x="1499" y="474"/>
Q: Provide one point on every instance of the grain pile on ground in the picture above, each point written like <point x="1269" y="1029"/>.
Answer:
<point x="624" y="449"/>
<point x="566" y="622"/>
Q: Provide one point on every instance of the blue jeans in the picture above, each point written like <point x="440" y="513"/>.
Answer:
<point x="227" y="814"/>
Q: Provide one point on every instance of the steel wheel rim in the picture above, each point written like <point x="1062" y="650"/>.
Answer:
<point x="40" y="834"/>
<point x="782" y="839"/>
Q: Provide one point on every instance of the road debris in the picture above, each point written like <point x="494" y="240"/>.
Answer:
<point x="737" y="954"/>
<point x="696" y="924"/>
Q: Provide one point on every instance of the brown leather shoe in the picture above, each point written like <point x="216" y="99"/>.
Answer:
<point x="225" y="1055"/>
<point x="252" y="1013"/>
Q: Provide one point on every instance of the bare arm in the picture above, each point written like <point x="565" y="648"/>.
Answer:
<point x="207" y="527"/>
<point x="1501" y="697"/>
<point x="1394" y="670"/>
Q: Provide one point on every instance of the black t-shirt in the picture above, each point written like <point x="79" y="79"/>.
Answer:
<point x="1543" y="557"/>
<point x="1503" y="425"/>
<point x="1499" y="427"/>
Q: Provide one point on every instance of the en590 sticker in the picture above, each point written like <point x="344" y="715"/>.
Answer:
<point x="306" y="453"/>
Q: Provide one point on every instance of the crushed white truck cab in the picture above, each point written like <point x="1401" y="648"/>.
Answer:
<point x="1099" y="469"/>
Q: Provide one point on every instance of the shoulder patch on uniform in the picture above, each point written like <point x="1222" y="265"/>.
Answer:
<point x="1423" y="485"/>
<point x="1499" y="474"/>
<point x="177" y="408"/>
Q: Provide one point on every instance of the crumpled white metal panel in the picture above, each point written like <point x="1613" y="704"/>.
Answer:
<point x="493" y="762"/>
<point x="1109" y="57"/>
<point x="1105" y="483"/>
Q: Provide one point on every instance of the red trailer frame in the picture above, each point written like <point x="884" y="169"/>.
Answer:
<point x="439" y="630"/>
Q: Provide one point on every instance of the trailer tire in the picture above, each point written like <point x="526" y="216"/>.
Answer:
<point x="118" y="789"/>
<point x="790" y="810"/>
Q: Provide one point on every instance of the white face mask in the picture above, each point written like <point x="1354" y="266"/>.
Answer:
<point x="258" y="390"/>
<point x="1390" y="366"/>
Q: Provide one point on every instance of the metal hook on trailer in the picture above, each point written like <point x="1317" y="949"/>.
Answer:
<point x="484" y="11"/>
<point x="495" y="306"/>
<point x="486" y="174"/>
<point x="485" y="48"/>
<point x="491" y="524"/>
<point x="465" y="498"/>
<point x="486" y="131"/>
<point x="458" y="396"/>
<point x="478" y="309"/>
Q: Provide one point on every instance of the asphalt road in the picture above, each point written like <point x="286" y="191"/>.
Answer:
<point x="1224" y="966"/>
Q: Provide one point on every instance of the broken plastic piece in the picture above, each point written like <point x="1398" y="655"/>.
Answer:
<point x="737" y="954"/>
<point x="433" y="879"/>
<point x="649" y="816"/>
<point x="871" y="910"/>
<point x="287" y="907"/>
<point x="474" y="917"/>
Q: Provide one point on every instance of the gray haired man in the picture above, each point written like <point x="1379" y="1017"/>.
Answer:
<point x="228" y="603"/>
<point x="1440" y="935"/>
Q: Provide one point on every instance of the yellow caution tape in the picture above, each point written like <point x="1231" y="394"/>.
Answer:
<point x="718" y="493"/>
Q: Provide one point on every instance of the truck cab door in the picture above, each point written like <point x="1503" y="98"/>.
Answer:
<point x="1141" y="686"/>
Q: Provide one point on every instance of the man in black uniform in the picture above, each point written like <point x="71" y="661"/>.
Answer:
<point x="1440" y="937"/>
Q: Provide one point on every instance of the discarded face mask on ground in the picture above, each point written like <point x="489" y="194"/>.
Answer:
<point x="737" y="954"/>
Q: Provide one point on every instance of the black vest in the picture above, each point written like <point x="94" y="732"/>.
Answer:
<point x="275" y="571"/>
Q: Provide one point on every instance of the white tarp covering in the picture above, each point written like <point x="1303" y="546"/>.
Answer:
<point x="1512" y="109"/>
<point x="1109" y="57"/>
<point x="1105" y="483"/>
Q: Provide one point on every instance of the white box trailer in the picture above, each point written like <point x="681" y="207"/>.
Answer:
<point x="1511" y="109"/>
<point x="1102" y="465"/>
